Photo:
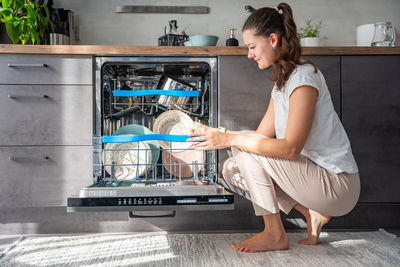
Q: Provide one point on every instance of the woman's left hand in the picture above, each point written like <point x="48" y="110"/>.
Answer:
<point x="209" y="140"/>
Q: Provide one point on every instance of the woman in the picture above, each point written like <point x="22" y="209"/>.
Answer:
<point x="300" y="156"/>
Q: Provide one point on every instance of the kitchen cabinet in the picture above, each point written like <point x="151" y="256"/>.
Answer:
<point x="41" y="176"/>
<point x="45" y="69"/>
<point x="46" y="128"/>
<point x="330" y="68"/>
<point x="371" y="117"/>
<point x="244" y="91"/>
<point x="45" y="115"/>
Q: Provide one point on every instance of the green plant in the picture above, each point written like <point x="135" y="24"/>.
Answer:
<point x="310" y="30"/>
<point x="25" y="20"/>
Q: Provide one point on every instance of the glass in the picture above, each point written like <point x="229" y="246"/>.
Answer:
<point x="384" y="34"/>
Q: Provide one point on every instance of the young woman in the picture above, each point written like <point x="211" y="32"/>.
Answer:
<point x="299" y="156"/>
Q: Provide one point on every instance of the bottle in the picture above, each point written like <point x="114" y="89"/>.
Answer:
<point x="232" y="41"/>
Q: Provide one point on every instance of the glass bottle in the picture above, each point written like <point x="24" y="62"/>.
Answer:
<point x="232" y="41"/>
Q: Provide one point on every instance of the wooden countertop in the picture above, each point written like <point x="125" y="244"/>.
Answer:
<point x="182" y="50"/>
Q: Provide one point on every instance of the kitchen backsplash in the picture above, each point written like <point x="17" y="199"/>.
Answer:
<point x="99" y="24"/>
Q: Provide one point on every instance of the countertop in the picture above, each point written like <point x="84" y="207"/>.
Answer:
<point x="182" y="50"/>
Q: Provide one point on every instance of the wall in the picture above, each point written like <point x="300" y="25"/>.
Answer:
<point x="99" y="24"/>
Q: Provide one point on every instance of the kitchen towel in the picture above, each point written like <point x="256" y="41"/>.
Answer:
<point x="377" y="248"/>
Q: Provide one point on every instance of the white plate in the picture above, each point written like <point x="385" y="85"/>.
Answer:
<point x="173" y="122"/>
<point x="132" y="159"/>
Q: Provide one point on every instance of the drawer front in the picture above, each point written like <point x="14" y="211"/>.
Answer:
<point x="45" y="115"/>
<point x="43" y="176"/>
<point x="45" y="69"/>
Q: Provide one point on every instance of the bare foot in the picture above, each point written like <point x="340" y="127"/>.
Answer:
<point x="263" y="241"/>
<point x="315" y="221"/>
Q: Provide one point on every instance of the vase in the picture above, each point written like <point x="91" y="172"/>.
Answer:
<point x="310" y="41"/>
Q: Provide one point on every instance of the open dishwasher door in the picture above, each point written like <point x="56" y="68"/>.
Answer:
<point x="144" y="108"/>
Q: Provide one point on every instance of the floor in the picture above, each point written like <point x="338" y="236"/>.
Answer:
<point x="162" y="249"/>
<point x="6" y="241"/>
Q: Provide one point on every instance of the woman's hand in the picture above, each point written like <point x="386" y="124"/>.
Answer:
<point x="201" y="129"/>
<point x="208" y="138"/>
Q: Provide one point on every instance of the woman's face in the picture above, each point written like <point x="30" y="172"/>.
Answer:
<point x="260" y="48"/>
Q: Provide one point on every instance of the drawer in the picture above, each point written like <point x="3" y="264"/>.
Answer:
<point x="45" y="69"/>
<point x="39" y="176"/>
<point x="45" y="115"/>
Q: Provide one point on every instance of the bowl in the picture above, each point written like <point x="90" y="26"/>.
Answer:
<point x="202" y="40"/>
<point x="132" y="159"/>
<point x="137" y="129"/>
<point x="183" y="164"/>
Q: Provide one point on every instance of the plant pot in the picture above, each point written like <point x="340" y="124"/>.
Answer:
<point x="310" y="41"/>
<point x="4" y="39"/>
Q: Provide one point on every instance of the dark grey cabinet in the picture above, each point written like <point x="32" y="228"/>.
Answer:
<point x="371" y="117"/>
<point x="243" y="94"/>
<point x="330" y="68"/>
<point x="244" y="91"/>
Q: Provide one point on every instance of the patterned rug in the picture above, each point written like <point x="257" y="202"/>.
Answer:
<point x="377" y="248"/>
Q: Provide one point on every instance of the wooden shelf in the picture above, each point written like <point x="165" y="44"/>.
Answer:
<point x="182" y="50"/>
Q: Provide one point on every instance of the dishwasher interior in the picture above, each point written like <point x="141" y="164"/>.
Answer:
<point x="144" y="108"/>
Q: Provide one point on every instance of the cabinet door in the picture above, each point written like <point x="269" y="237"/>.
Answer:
<point x="39" y="176"/>
<point x="45" y="115"/>
<point x="244" y="92"/>
<point x="371" y="117"/>
<point x="330" y="68"/>
<point x="45" y="69"/>
<point x="243" y="96"/>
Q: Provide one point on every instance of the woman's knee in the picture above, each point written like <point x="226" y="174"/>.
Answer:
<point x="229" y="169"/>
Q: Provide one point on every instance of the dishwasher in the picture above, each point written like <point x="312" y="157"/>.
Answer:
<point x="142" y="164"/>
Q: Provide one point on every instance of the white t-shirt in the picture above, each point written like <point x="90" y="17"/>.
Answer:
<point x="327" y="144"/>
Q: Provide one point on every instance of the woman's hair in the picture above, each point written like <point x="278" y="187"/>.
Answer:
<point x="265" y="21"/>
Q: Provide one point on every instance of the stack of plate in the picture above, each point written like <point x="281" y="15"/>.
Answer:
<point x="131" y="159"/>
<point x="179" y="158"/>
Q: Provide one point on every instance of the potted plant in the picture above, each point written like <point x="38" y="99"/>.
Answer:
<point x="309" y="35"/>
<point x="25" y="20"/>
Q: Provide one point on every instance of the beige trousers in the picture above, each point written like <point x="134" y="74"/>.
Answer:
<point x="274" y="183"/>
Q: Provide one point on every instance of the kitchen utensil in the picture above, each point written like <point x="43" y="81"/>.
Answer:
<point x="384" y="34"/>
<point x="183" y="163"/>
<point x="173" y="122"/>
<point x="172" y="38"/>
<point x="137" y="129"/>
<point x="168" y="83"/>
<point x="202" y="40"/>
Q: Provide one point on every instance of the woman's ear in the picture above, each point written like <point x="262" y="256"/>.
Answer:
<point x="274" y="40"/>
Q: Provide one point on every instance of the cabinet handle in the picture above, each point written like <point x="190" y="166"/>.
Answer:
<point x="17" y="96"/>
<point x="11" y="158"/>
<point x="166" y="214"/>
<point x="15" y="65"/>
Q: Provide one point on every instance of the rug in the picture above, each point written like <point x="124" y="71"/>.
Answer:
<point x="377" y="248"/>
